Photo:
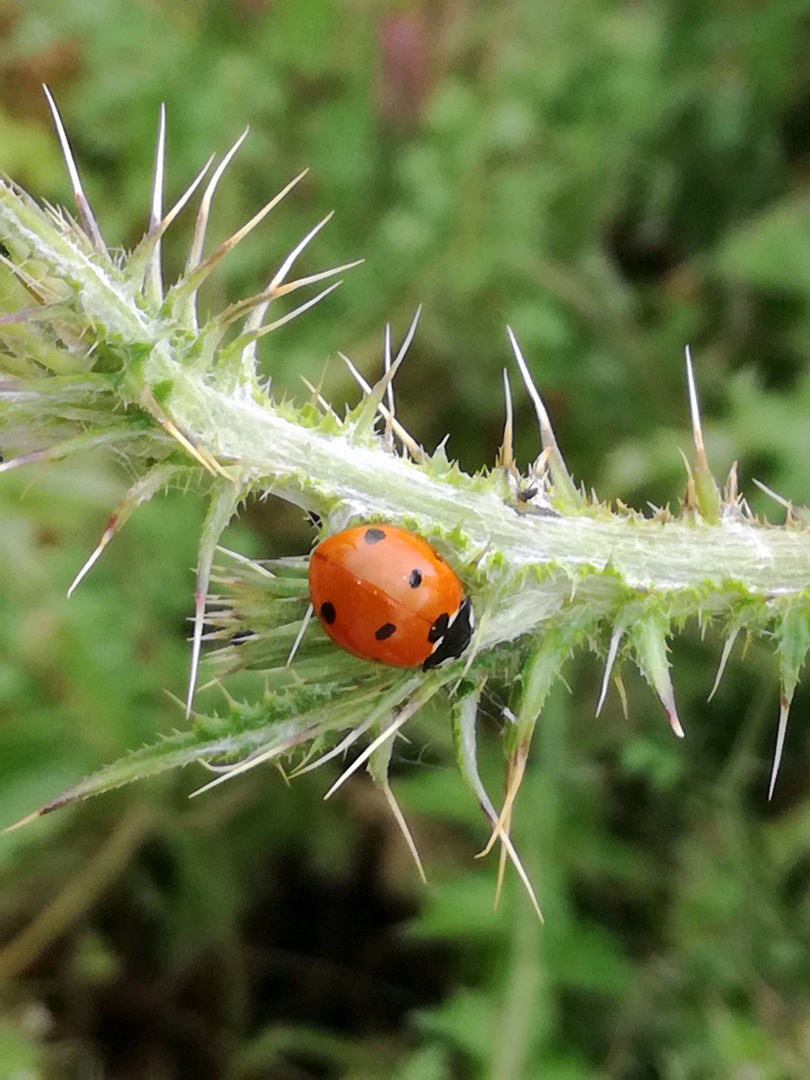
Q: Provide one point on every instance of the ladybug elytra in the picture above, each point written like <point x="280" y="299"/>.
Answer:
<point x="382" y="593"/>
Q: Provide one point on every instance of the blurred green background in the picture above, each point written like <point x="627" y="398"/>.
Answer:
<point x="614" y="180"/>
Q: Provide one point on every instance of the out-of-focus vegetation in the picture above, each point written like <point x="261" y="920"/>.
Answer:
<point x="613" y="180"/>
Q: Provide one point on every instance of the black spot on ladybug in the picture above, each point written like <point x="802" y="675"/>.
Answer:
<point x="415" y="578"/>
<point x="373" y="536"/>
<point x="384" y="631"/>
<point x="439" y="628"/>
<point x="328" y="612"/>
<point x="456" y="638"/>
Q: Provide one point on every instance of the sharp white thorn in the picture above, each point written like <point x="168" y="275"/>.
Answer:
<point x="358" y="378"/>
<point x="300" y="635"/>
<point x="521" y="872"/>
<point x="255" y="307"/>
<point x="413" y="446"/>
<point x="502" y="825"/>
<point x="784" y="712"/>
<point x="196" y="647"/>
<point x="694" y="405"/>
<point x="284" y="269"/>
<point x="61" y="134"/>
<point x="254" y="335"/>
<point x="399" y="817"/>
<point x="310" y="279"/>
<point x="85" y="213"/>
<point x="200" y="272"/>
<point x="160" y="169"/>
<point x="406" y="344"/>
<point x="246" y="561"/>
<point x="389" y="733"/>
<point x="768" y="491"/>
<point x="544" y="423"/>
<point x="222" y="770"/>
<point x="336" y="751"/>
<point x="508" y="451"/>
<point x="195" y="254"/>
<point x="389" y="392"/>
<point x="613" y="649"/>
<point x="156" y="210"/>
<point x="240" y="234"/>
<point x="161" y="226"/>
<point x="91" y="562"/>
<point x="728" y="645"/>
<point x="250" y="762"/>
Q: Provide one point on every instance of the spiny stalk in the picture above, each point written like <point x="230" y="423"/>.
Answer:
<point x="100" y="352"/>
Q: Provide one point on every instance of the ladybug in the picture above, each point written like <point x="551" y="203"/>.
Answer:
<point x="383" y="593"/>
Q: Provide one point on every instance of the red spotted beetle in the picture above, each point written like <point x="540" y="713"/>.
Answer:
<point x="383" y="593"/>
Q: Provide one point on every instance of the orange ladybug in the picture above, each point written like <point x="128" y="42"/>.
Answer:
<point x="383" y="593"/>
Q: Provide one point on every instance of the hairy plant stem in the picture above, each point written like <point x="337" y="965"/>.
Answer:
<point x="104" y="357"/>
<point x="362" y="481"/>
